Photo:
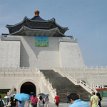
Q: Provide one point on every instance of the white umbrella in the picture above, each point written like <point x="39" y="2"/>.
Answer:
<point x="6" y="96"/>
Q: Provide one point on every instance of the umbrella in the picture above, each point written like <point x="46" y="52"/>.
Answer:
<point x="22" y="96"/>
<point x="42" y="94"/>
<point x="6" y="96"/>
<point x="47" y="94"/>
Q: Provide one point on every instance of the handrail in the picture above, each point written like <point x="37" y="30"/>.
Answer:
<point x="76" y="75"/>
<point x="52" y="91"/>
<point x="86" y="87"/>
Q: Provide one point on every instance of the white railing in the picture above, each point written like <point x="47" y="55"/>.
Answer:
<point x="64" y="74"/>
<point x="51" y="90"/>
<point x="86" y="87"/>
<point x="92" y="76"/>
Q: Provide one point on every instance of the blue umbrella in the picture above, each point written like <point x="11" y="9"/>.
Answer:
<point x="22" y="96"/>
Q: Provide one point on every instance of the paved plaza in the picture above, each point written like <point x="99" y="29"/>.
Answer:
<point x="104" y="104"/>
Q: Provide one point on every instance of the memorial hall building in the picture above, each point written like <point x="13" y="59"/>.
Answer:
<point x="37" y="56"/>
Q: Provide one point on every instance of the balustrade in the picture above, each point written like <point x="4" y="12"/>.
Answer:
<point x="93" y="76"/>
<point x="23" y="71"/>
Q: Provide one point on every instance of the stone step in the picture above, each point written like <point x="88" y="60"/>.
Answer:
<point x="64" y="86"/>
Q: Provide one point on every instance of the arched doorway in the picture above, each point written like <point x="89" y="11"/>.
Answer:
<point x="28" y="88"/>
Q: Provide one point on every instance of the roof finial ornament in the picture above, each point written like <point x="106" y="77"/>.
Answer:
<point x="37" y="13"/>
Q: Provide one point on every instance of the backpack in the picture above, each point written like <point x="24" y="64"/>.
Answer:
<point x="33" y="100"/>
<point x="1" y="103"/>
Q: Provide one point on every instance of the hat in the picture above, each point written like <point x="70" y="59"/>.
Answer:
<point x="73" y="96"/>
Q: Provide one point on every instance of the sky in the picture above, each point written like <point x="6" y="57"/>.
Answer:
<point x="86" y="20"/>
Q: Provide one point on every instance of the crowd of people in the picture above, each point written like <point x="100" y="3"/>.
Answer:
<point x="41" y="101"/>
<point x="33" y="101"/>
<point x="95" y="100"/>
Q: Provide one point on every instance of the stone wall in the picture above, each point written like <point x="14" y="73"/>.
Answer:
<point x="61" y="52"/>
<point x="9" y="53"/>
<point x="15" y="77"/>
<point x="70" y="54"/>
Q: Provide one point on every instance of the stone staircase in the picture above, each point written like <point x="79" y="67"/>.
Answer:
<point x="64" y="86"/>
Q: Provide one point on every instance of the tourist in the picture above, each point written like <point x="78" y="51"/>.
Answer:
<point x="76" y="101"/>
<point x="20" y="103"/>
<point x="27" y="103"/>
<point x="12" y="102"/>
<point x="46" y="100"/>
<point x="67" y="97"/>
<point x="1" y="102"/>
<point x="41" y="102"/>
<point x="94" y="100"/>
<point x="34" y="100"/>
<point x="99" y="96"/>
<point x="57" y="100"/>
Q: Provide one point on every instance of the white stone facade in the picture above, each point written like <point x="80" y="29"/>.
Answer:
<point x="70" y="55"/>
<point x="10" y="54"/>
<point x="20" y="51"/>
<point x="61" y="52"/>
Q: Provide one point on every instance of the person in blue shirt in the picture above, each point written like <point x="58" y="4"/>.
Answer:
<point x="76" y="101"/>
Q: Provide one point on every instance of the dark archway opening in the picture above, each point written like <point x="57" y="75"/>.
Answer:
<point x="28" y="88"/>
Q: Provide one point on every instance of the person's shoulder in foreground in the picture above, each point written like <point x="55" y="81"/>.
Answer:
<point x="76" y="101"/>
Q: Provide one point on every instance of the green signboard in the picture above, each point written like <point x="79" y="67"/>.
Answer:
<point x="41" y="41"/>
